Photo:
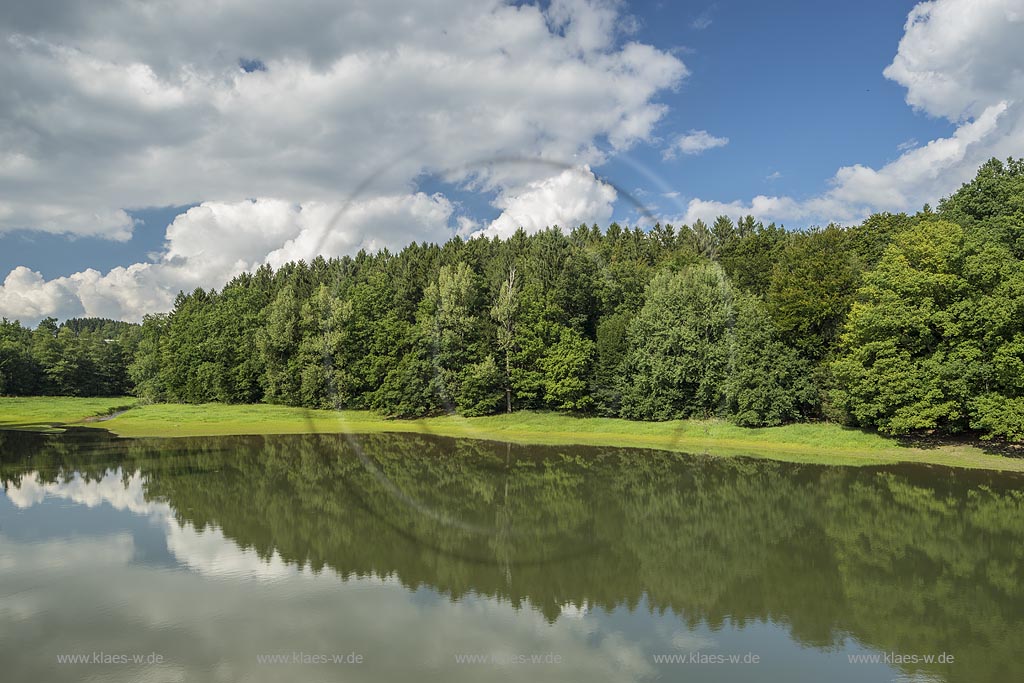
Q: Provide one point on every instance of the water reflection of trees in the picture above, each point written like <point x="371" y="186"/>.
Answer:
<point x="906" y="560"/>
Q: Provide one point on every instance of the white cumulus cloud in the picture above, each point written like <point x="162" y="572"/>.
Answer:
<point x="958" y="58"/>
<point x="694" y="142"/>
<point x="124" y="105"/>
<point x="568" y="199"/>
<point x="211" y="243"/>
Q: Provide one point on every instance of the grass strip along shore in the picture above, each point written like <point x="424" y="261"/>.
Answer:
<point x="821" y="443"/>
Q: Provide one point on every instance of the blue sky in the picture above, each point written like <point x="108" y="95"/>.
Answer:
<point x="146" y="153"/>
<point x="797" y="87"/>
<point x="56" y="255"/>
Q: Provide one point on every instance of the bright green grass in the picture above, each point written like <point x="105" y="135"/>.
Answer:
<point x="44" y="413"/>
<point x="813" y="443"/>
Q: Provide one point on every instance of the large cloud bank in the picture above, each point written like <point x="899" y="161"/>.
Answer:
<point x="315" y="108"/>
<point x="329" y="113"/>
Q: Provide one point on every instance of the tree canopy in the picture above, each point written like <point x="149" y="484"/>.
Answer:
<point x="901" y="323"/>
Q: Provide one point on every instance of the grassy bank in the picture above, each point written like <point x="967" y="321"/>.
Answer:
<point x="812" y="443"/>
<point x="48" y="413"/>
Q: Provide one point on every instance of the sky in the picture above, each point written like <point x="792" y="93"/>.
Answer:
<point x="153" y="147"/>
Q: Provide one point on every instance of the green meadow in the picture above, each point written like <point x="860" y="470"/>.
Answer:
<point x="822" y="443"/>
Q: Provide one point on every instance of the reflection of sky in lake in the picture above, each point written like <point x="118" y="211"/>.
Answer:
<point x="94" y="566"/>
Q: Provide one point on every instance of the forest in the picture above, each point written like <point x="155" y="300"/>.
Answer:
<point x="901" y="323"/>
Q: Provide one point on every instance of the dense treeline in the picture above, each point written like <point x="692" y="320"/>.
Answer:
<point x="648" y="325"/>
<point x="79" y="357"/>
<point x="900" y="323"/>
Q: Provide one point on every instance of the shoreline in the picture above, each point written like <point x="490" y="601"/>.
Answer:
<point x="812" y="443"/>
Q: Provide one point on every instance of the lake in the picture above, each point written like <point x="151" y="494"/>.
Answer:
<point x="411" y="558"/>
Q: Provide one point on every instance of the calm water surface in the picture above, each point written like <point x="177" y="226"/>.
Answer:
<point x="411" y="558"/>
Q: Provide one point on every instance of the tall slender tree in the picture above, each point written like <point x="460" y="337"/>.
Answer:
<point x="504" y="312"/>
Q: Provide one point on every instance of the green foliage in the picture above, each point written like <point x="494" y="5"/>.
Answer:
<point x="934" y="340"/>
<point x="610" y="351"/>
<point x="768" y="383"/>
<point x="994" y="200"/>
<point x="566" y="367"/>
<point x="678" y="356"/>
<point x="145" y="368"/>
<point x="482" y="390"/>
<point x="19" y="373"/>
<point x="896" y="372"/>
<point x="900" y="323"/>
<point x="449" y="328"/>
<point x="871" y="237"/>
<point x="406" y="391"/>
<point x="749" y="259"/>
<point x="811" y="289"/>
<point x="998" y="415"/>
<point x="278" y="344"/>
<point x="505" y="311"/>
<point x="80" y="357"/>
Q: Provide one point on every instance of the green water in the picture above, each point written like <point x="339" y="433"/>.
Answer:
<point x="424" y="559"/>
